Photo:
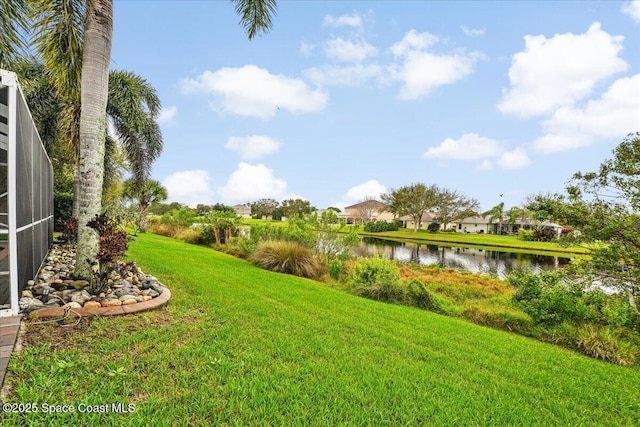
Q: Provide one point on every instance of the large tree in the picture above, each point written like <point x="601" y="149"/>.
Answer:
<point x="604" y="206"/>
<point x="412" y="200"/>
<point x="451" y="206"/>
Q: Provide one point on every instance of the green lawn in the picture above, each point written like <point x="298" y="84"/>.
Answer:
<point x="242" y="346"/>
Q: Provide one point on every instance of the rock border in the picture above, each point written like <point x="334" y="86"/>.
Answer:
<point x="152" y="304"/>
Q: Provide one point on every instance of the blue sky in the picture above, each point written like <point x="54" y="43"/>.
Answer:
<point x="342" y="100"/>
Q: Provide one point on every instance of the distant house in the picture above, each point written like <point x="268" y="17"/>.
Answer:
<point x="426" y="219"/>
<point x="367" y="211"/>
<point x="243" y="211"/>
<point x="476" y="224"/>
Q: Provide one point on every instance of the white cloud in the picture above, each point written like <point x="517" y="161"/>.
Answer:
<point x="253" y="146"/>
<point x="339" y="49"/>
<point x="251" y="91"/>
<point x="167" y="115"/>
<point x="413" y="41"/>
<point x="472" y="32"/>
<point x="511" y="160"/>
<point x="632" y="8"/>
<point x="559" y="71"/>
<point x="366" y="190"/>
<point x="371" y="189"/>
<point x="252" y="182"/>
<point x="190" y="187"/>
<point x="306" y="49"/>
<point x="353" y="21"/>
<point x="423" y="71"/>
<point x="352" y="75"/>
<point x="613" y="115"/>
<point x="470" y="146"/>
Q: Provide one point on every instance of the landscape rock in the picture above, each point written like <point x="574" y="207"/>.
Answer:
<point x="92" y="304"/>
<point x="127" y="284"/>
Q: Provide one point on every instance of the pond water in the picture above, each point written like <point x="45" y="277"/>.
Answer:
<point x="493" y="262"/>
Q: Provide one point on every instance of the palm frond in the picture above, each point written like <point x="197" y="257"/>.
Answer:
<point x="13" y="29"/>
<point x="58" y="37"/>
<point x="255" y="15"/>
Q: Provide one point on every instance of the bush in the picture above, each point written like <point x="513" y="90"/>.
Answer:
<point x="166" y="230"/>
<point x="381" y="226"/>
<point x="419" y="296"/>
<point x="548" y="300"/>
<point x="111" y="247"/>
<point x="524" y="234"/>
<point x="69" y="228"/>
<point x="377" y="278"/>
<point x="288" y="257"/>
<point x="335" y="268"/>
<point x="433" y="227"/>
<point x="606" y="344"/>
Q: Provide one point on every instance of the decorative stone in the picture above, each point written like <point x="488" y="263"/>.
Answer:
<point x="146" y="298"/>
<point x="126" y="297"/>
<point x="129" y="301"/>
<point x="28" y="302"/>
<point x="73" y="305"/>
<point x="81" y="297"/>
<point x="111" y="303"/>
<point x="92" y="304"/>
<point x="27" y="294"/>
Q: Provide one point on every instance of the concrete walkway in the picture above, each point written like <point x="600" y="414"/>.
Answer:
<point x="9" y="327"/>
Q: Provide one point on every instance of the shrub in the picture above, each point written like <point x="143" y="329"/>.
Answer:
<point x="69" y="228"/>
<point x="381" y="226"/>
<point x="287" y="257"/>
<point x="335" y="268"/>
<point x="433" y="227"/>
<point x="377" y="278"/>
<point x="112" y="246"/>
<point x="419" y="296"/>
<point x="606" y="344"/>
<point x="524" y="234"/>
<point x="188" y="235"/>
<point x="548" y="300"/>
<point x="166" y="230"/>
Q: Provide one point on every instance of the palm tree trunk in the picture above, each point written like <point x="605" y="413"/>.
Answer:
<point x="96" y="56"/>
<point x="76" y="190"/>
<point x="142" y="219"/>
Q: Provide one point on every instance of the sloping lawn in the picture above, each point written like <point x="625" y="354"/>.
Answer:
<point x="242" y="346"/>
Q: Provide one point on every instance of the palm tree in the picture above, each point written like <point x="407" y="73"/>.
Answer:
<point x="146" y="194"/>
<point x="255" y="17"/>
<point x="496" y="212"/>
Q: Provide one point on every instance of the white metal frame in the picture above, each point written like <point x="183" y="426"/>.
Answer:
<point x="9" y="79"/>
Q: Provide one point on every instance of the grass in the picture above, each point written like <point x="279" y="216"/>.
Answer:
<point x="238" y="345"/>
<point x="483" y="240"/>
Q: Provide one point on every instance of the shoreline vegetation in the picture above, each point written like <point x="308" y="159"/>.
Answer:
<point x="480" y="241"/>
<point x="242" y="345"/>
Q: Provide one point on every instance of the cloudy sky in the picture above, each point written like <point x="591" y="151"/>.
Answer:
<point x="343" y="100"/>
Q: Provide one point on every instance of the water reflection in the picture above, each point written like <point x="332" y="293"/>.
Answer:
<point x="496" y="263"/>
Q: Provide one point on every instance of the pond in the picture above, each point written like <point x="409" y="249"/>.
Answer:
<point x="497" y="263"/>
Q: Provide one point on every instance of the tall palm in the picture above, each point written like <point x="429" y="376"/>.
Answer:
<point x="255" y="17"/>
<point x="145" y="193"/>
<point x="496" y="212"/>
